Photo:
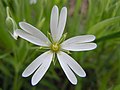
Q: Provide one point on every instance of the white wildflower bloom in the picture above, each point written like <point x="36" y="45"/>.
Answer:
<point x="33" y="1"/>
<point x="41" y="64"/>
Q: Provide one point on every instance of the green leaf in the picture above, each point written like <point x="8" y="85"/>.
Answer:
<point x="117" y="87"/>
<point x="5" y="70"/>
<point x="98" y="28"/>
<point x="108" y="37"/>
<point x="4" y="55"/>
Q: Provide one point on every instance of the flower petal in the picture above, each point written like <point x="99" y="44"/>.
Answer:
<point x="70" y="75"/>
<point x="79" y="46"/>
<point x="79" y="39"/>
<point x="43" y="68"/>
<point x="54" y="21"/>
<point x="30" y="38"/>
<point x="73" y="64"/>
<point x="34" y="32"/>
<point x="39" y="61"/>
<point x="62" y="23"/>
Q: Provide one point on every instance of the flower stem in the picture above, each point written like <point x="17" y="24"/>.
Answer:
<point x="15" y="84"/>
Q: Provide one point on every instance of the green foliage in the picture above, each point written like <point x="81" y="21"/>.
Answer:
<point x="98" y="17"/>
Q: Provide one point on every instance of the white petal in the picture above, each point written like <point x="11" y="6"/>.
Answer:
<point x="54" y="21"/>
<point x="62" y="23"/>
<point x="42" y="69"/>
<point x="34" y="32"/>
<point x="79" y="46"/>
<point x="70" y="75"/>
<point x="36" y="63"/>
<point x="73" y="64"/>
<point x="79" y="39"/>
<point x="30" y="38"/>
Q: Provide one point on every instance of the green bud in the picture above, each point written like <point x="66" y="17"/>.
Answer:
<point x="11" y="24"/>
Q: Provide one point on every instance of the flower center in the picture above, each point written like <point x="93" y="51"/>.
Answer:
<point x="55" y="47"/>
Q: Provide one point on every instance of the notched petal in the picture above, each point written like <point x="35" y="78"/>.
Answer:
<point x="69" y="73"/>
<point x="39" y="61"/>
<point x="68" y="60"/>
<point x="34" y="32"/>
<point x="30" y="38"/>
<point x="42" y="69"/>
<point x="79" y="47"/>
<point x="62" y="23"/>
<point x="54" y="21"/>
<point x="79" y="39"/>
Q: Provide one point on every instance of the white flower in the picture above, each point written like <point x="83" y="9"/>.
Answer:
<point x="41" y="64"/>
<point x="33" y="1"/>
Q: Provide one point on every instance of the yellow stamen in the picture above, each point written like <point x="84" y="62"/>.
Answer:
<point x="55" y="47"/>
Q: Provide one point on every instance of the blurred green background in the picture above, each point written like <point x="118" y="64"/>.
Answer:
<point x="98" y="17"/>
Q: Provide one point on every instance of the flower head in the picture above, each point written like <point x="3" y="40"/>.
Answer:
<point x="41" y="64"/>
